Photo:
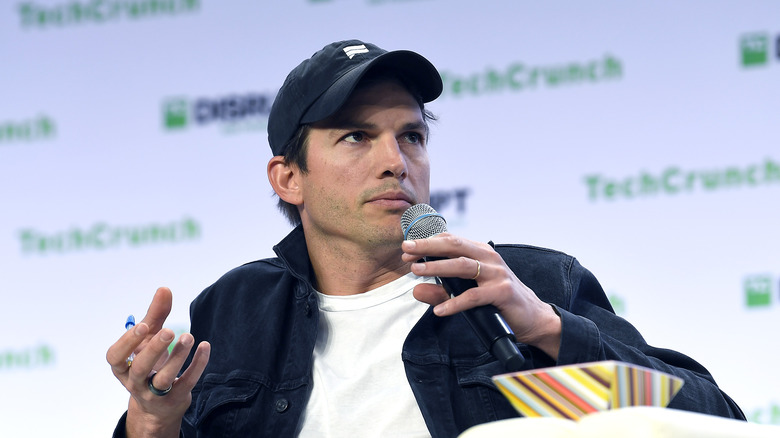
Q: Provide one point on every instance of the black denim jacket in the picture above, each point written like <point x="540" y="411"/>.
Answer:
<point x="261" y="320"/>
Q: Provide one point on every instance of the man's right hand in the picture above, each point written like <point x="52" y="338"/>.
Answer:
<point x="150" y="415"/>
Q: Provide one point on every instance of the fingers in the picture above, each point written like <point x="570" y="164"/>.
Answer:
<point x="533" y="321"/>
<point x="159" y="309"/>
<point x="429" y="293"/>
<point x="436" y="296"/>
<point x="135" y="339"/>
<point x="192" y="374"/>
<point x="169" y="369"/>
<point x="165" y="382"/>
<point x="444" y="305"/>
<point x="157" y="407"/>
<point x="117" y="354"/>
<point x="150" y="343"/>
<point x="462" y="267"/>
<point x="154" y="362"/>
<point x="461" y="258"/>
<point x="443" y="245"/>
<point x="146" y="359"/>
<point x="453" y="257"/>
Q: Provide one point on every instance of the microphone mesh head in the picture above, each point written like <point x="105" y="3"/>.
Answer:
<point x="421" y="221"/>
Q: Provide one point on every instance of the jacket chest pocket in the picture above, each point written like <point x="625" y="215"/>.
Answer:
<point x="482" y="400"/>
<point x="242" y="404"/>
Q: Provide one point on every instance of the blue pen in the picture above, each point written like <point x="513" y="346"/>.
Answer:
<point x="128" y="325"/>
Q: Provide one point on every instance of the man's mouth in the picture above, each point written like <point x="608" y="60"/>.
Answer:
<point x="394" y="199"/>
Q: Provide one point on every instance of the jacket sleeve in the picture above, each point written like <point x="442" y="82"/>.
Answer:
<point x="591" y="331"/>
<point x="119" y="431"/>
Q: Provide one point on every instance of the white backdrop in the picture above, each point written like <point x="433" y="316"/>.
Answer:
<point x="641" y="137"/>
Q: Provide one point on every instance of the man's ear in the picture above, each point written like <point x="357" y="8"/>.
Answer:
<point x="284" y="179"/>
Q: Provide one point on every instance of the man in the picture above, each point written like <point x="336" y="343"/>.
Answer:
<point x="345" y="333"/>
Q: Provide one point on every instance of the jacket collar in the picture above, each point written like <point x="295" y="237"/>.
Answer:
<point x="294" y="254"/>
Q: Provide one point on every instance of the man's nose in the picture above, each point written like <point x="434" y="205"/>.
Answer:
<point x="392" y="162"/>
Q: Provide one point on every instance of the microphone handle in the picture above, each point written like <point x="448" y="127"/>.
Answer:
<point x="488" y="324"/>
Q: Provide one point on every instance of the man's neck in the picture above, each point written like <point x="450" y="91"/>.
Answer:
<point x="346" y="268"/>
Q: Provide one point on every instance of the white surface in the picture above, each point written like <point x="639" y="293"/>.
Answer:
<point x="635" y="422"/>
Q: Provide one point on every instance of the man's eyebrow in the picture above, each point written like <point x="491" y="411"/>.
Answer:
<point x="415" y="126"/>
<point x="348" y="124"/>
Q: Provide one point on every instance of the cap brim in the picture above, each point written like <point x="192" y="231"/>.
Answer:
<point x="412" y="66"/>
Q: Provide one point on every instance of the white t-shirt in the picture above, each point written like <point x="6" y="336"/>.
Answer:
<point x="360" y="387"/>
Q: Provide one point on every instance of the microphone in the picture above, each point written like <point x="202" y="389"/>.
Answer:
<point x="421" y="221"/>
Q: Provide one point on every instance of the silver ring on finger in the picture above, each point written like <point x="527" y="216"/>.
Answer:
<point x="155" y="391"/>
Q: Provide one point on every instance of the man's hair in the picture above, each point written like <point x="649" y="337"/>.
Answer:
<point x="296" y="150"/>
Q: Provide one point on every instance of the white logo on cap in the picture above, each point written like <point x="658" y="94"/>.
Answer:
<point x="354" y="50"/>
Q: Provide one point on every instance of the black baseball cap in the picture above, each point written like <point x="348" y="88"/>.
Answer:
<point x="320" y="85"/>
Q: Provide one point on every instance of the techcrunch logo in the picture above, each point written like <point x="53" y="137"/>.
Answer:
<point x="34" y="15"/>
<point x="440" y="200"/>
<point x="674" y="180"/>
<point x="34" y="357"/>
<point x="519" y="77"/>
<point x="234" y="112"/>
<point x="754" y="49"/>
<point x="38" y="128"/>
<point x="103" y="236"/>
<point x="758" y="290"/>
<point x="451" y="203"/>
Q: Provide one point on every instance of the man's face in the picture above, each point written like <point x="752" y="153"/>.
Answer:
<point x="366" y="165"/>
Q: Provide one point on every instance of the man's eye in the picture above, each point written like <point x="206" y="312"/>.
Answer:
<point x="414" y="137"/>
<point x="354" y="137"/>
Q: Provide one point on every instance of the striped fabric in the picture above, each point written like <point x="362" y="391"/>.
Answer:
<point x="573" y="391"/>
